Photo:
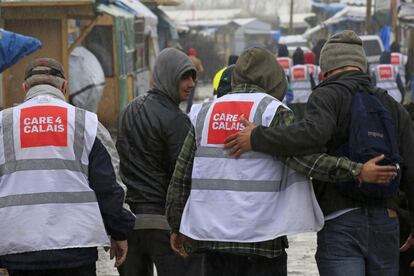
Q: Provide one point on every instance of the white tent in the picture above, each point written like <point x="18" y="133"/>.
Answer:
<point x="86" y="79"/>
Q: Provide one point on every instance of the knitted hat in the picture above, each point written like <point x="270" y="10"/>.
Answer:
<point x="343" y="49"/>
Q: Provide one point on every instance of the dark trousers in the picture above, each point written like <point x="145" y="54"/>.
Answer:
<point x="87" y="270"/>
<point x="226" y="264"/>
<point x="149" y="247"/>
<point x="362" y="242"/>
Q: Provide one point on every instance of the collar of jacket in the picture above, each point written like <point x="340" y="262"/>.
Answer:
<point x="247" y="88"/>
<point x="358" y="77"/>
<point x="163" y="95"/>
<point x="44" y="89"/>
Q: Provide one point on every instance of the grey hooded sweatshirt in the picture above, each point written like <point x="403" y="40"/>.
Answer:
<point x="151" y="134"/>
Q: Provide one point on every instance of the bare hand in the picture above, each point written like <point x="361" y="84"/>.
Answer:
<point x="377" y="174"/>
<point x="119" y="250"/>
<point x="240" y="142"/>
<point x="177" y="241"/>
<point x="407" y="245"/>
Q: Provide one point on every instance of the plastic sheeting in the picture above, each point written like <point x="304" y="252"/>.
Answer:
<point x="140" y="10"/>
<point x="86" y="79"/>
<point x="14" y="47"/>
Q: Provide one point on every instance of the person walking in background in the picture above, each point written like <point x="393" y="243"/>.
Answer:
<point x="301" y="84"/>
<point x="386" y="76"/>
<point x="314" y="70"/>
<point x="400" y="61"/>
<point x="59" y="186"/>
<point x="283" y="59"/>
<point x="151" y="134"/>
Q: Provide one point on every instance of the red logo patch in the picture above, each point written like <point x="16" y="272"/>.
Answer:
<point x="225" y="120"/>
<point x="284" y="62"/>
<point x="299" y="73"/>
<point x="42" y="126"/>
<point x="395" y="59"/>
<point x="385" y="72"/>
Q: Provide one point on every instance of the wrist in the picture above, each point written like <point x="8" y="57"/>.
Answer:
<point x="357" y="172"/>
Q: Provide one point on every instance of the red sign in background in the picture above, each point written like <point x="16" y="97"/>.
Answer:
<point x="42" y="126"/>
<point x="386" y="72"/>
<point x="395" y="59"/>
<point x="225" y="120"/>
<point x="299" y="73"/>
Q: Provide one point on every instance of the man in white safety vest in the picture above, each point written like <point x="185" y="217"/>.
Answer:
<point x="399" y="60"/>
<point x="301" y="84"/>
<point x="386" y="76"/>
<point x="60" y="192"/>
<point x="239" y="211"/>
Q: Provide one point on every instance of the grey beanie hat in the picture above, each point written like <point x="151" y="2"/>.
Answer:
<point x="343" y="49"/>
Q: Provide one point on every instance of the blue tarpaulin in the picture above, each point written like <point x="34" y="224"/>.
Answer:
<point x="385" y="35"/>
<point x="14" y="47"/>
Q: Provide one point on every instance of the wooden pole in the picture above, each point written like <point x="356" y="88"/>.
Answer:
<point x="291" y="17"/>
<point x="369" y="15"/>
<point x="394" y="14"/>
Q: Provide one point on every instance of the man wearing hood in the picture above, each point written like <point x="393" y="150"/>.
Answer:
<point x="361" y="235"/>
<point x="151" y="134"/>
<point x="239" y="211"/>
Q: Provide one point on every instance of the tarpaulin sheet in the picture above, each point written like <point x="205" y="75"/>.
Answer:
<point x="86" y="79"/>
<point x="14" y="47"/>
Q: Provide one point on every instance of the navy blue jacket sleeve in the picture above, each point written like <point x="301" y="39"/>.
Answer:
<point x="119" y="222"/>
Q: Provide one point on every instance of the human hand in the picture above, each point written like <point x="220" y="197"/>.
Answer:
<point x="377" y="174"/>
<point x="240" y="142"/>
<point x="407" y="245"/>
<point x="119" y="250"/>
<point x="177" y="241"/>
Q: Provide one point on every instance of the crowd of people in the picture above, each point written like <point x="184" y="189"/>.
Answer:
<point x="319" y="142"/>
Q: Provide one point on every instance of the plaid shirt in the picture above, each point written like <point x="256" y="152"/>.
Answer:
<point x="319" y="166"/>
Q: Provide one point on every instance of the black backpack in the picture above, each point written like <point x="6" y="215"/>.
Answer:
<point x="372" y="132"/>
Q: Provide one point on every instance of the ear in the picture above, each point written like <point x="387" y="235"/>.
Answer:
<point x="64" y="87"/>
<point x="24" y="87"/>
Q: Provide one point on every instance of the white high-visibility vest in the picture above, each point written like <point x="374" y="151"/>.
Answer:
<point x="300" y="83"/>
<point x="45" y="199"/>
<point x="315" y="72"/>
<point x="386" y="78"/>
<point x="286" y="63"/>
<point x="251" y="199"/>
<point x="399" y="60"/>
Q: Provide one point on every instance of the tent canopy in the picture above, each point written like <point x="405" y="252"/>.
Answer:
<point x="14" y="47"/>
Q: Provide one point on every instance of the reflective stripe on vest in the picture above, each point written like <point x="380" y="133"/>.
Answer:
<point x="286" y="64"/>
<point x="386" y="78"/>
<point x="300" y="83"/>
<point x="250" y="199"/>
<point x="44" y="178"/>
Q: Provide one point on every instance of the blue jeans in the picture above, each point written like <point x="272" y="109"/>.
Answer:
<point x="361" y="242"/>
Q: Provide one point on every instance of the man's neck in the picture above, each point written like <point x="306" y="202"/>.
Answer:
<point x="44" y="89"/>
